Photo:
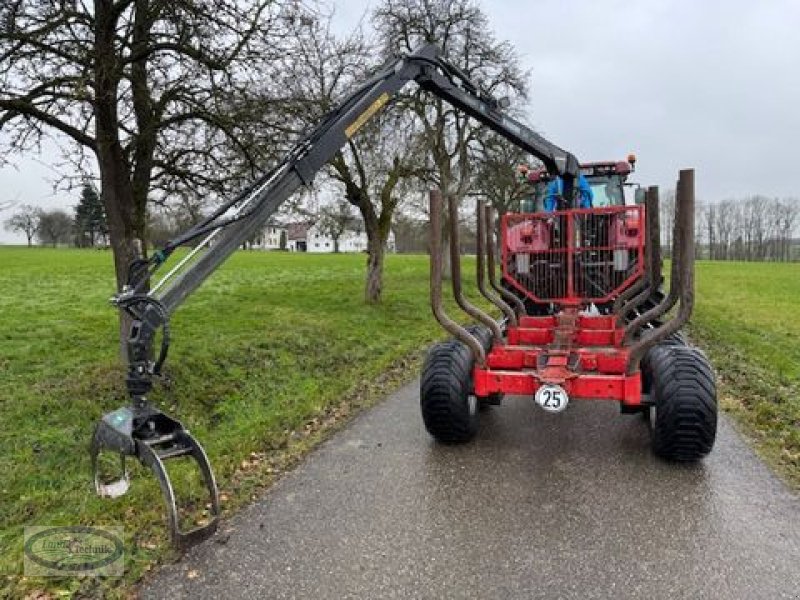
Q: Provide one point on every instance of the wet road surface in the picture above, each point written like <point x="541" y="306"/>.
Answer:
<point x="572" y="505"/>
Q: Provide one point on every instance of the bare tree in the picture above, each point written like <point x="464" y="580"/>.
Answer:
<point x="707" y="223"/>
<point x="186" y="209"/>
<point x="497" y="180"/>
<point x="373" y="166"/>
<point x="756" y="227"/>
<point x="751" y="228"/>
<point x="374" y="172"/>
<point x="26" y="221"/>
<point x="152" y="89"/>
<point x="410" y="233"/>
<point x="461" y="29"/>
<point x="334" y="220"/>
<point x="724" y="225"/>
<point x="699" y="229"/>
<point x="55" y="227"/>
<point x="788" y="217"/>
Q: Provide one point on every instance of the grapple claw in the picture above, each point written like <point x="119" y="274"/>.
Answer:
<point x="153" y="437"/>
<point x="152" y="453"/>
<point x="113" y="433"/>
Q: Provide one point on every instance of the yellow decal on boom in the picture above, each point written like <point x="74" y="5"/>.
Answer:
<point x="366" y="115"/>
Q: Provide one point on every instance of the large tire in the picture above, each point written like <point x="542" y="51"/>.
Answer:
<point x="684" y="416"/>
<point x="483" y="334"/>
<point x="449" y="410"/>
<point x="646" y="367"/>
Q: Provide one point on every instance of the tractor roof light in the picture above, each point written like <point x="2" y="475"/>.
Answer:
<point x="623" y="168"/>
<point x="632" y="161"/>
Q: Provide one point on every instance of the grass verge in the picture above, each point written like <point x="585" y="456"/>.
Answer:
<point x="269" y="356"/>
<point x="746" y="319"/>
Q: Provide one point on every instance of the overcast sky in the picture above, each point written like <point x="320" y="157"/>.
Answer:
<point x="713" y="85"/>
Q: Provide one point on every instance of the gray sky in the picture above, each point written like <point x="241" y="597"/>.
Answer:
<point x="713" y="85"/>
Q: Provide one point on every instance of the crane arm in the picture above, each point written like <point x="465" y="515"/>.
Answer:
<point x="147" y="433"/>
<point x="242" y="218"/>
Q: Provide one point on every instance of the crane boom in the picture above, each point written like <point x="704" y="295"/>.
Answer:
<point x="433" y="74"/>
<point x="142" y="430"/>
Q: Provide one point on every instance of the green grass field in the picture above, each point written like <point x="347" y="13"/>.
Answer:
<point x="268" y="356"/>
<point x="260" y="355"/>
<point x="746" y="318"/>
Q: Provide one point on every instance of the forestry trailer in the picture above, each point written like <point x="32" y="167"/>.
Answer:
<point x="584" y="313"/>
<point x="581" y="296"/>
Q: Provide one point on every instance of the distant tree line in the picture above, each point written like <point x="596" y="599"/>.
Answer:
<point x="86" y="227"/>
<point x="755" y="228"/>
<point x="751" y="228"/>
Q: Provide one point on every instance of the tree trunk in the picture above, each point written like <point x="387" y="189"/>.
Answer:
<point x="125" y="245"/>
<point x="376" y="250"/>
<point x="118" y="201"/>
<point x="115" y="172"/>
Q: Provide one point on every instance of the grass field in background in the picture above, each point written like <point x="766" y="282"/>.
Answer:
<point x="747" y="317"/>
<point x="273" y="349"/>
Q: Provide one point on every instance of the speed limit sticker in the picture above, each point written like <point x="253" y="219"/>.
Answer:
<point x="552" y="398"/>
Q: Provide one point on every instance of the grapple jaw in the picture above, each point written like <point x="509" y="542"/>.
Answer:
<point x="153" y="438"/>
<point x="114" y="433"/>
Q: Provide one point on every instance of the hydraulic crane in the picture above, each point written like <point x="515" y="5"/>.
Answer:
<point x="143" y="431"/>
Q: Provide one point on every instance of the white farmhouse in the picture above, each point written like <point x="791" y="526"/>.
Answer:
<point x="354" y="239"/>
<point x="297" y="236"/>
<point x="309" y="237"/>
<point x="270" y="238"/>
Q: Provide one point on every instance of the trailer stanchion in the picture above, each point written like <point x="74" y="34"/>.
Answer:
<point x="621" y="303"/>
<point x="682" y="282"/>
<point x="653" y="257"/>
<point x="512" y="298"/>
<point x="655" y="237"/>
<point x="444" y="320"/>
<point x="455" y="267"/>
<point x="483" y="241"/>
<point x="668" y="302"/>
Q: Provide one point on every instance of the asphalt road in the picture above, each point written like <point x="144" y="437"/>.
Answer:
<point x="539" y="506"/>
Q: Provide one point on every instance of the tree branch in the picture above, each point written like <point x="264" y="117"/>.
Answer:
<point x="17" y="107"/>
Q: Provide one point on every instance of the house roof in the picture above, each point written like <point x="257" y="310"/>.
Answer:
<point x="297" y="231"/>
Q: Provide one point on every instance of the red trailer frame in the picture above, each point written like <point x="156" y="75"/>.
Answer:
<point x="581" y="352"/>
<point x="583" y="318"/>
<point x="603" y="233"/>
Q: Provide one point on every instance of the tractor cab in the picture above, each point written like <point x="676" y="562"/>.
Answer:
<point x="556" y="254"/>
<point x="608" y="182"/>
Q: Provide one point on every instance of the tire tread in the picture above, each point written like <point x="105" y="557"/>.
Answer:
<point x="445" y="386"/>
<point x="685" y="395"/>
